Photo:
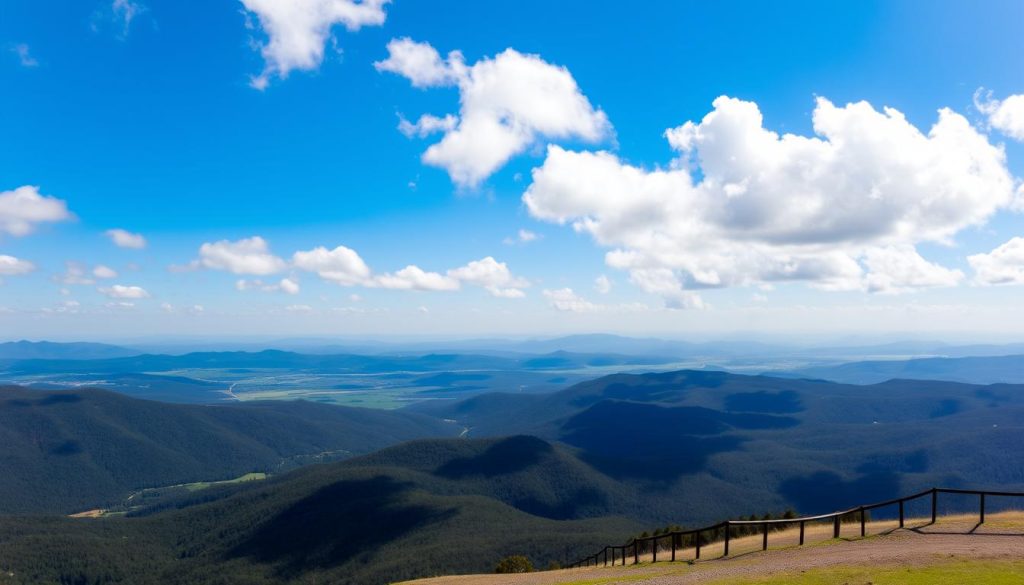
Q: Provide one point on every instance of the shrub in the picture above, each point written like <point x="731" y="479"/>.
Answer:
<point x="514" y="564"/>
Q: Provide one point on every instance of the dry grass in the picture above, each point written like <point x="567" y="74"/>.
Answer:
<point x="745" y="553"/>
<point x="97" y="513"/>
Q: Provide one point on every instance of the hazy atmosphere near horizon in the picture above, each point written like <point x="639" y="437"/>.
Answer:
<point x="375" y="291"/>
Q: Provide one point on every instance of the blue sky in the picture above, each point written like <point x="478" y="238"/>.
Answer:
<point x="193" y="123"/>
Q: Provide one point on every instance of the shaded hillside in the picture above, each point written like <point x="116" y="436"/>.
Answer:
<point x="419" y="509"/>
<point x="707" y="445"/>
<point x="1008" y="369"/>
<point x="70" y="450"/>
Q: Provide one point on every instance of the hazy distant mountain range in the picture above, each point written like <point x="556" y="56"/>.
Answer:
<point x="352" y="363"/>
<point x="49" y="350"/>
<point x="584" y="343"/>
<point x="1008" y="369"/>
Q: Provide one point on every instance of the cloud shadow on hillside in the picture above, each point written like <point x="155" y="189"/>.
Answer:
<point x="506" y="456"/>
<point x="646" y="441"/>
<point x="784" y="402"/>
<point x="339" y="523"/>
<point x="825" y="491"/>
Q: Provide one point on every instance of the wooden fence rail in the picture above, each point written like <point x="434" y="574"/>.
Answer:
<point x="676" y="538"/>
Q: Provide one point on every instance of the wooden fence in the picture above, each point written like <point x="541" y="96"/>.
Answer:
<point x="683" y="539"/>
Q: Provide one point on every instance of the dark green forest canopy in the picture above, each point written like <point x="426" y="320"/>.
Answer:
<point x="607" y="458"/>
<point x="68" y="451"/>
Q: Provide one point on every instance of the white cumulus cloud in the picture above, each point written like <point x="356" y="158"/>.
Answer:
<point x="1004" y="265"/>
<point x="119" y="291"/>
<point x="289" y="286"/>
<point x="298" y="30"/>
<point x="101" y="271"/>
<point x="344" y="266"/>
<point x="1005" y="115"/>
<point x="246" y="256"/>
<point x="341" y="265"/>
<point x="11" y="266"/>
<point x="285" y="285"/>
<point x="742" y="205"/>
<point x="507" y="103"/>
<point x="126" y="239"/>
<point x="565" y="299"/>
<point x="495" y="277"/>
<point x="22" y="209"/>
<point x="415" y="278"/>
<point x="897" y="269"/>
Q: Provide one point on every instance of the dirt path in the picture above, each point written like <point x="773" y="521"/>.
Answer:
<point x="1002" y="537"/>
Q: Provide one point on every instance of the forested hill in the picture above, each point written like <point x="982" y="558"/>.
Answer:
<point x="732" y="442"/>
<point x="71" y="450"/>
<point x="418" y="509"/>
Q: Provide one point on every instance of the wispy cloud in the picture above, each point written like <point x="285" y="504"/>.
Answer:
<point x="24" y="55"/>
<point x="120" y="14"/>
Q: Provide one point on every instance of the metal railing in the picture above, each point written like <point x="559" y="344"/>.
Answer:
<point x="678" y="539"/>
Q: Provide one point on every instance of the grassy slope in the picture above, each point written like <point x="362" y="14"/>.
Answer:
<point x="822" y="560"/>
<point x="986" y="572"/>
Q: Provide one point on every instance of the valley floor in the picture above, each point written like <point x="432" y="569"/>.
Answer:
<point x="955" y="550"/>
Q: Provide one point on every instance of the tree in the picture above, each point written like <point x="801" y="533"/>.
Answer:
<point x="514" y="564"/>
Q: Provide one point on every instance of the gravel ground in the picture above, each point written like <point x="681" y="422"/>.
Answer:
<point x="957" y="538"/>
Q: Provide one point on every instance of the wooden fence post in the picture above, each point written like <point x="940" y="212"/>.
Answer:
<point x="679" y="542"/>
